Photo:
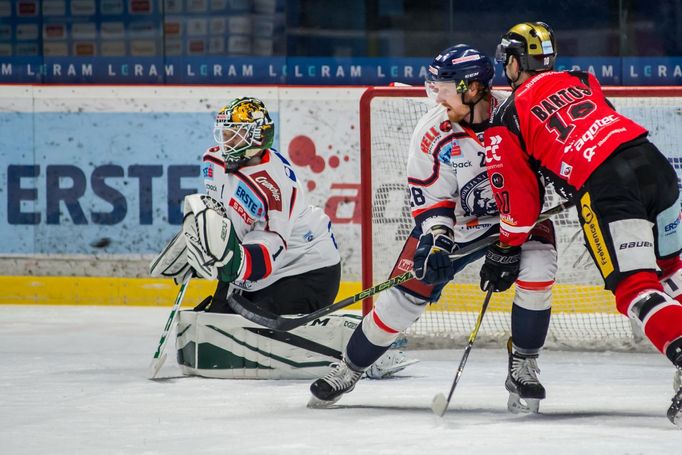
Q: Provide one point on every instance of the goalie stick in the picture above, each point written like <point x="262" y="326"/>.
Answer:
<point x="254" y="313"/>
<point x="440" y="404"/>
<point x="160" y="355"/>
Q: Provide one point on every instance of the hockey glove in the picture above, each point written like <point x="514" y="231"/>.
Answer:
<point x="432" y="263"/>
<point x="212" y="243"/>
<point x="501" y="267"/>
<point x="172" y="261"/>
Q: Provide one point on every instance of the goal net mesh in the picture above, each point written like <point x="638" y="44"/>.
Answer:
<point x="583" y="313"/>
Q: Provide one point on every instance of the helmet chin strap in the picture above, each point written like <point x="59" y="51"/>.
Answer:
<point x="471" y="106"/>
<point x="510" y="81"/>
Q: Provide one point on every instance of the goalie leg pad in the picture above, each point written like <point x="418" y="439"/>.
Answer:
<point x="219" y="345"/>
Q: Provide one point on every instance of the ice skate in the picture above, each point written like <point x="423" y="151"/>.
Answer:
<point x="330" y="388"/>
<point x="525" y="390"/>
<point x="675" y="409"/>
<point x="391" y="362"/>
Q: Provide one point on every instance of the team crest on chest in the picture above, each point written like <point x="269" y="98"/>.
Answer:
<point x="477" y="197"/>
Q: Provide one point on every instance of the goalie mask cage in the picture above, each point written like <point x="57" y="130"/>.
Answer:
<point x="584" y="315"/>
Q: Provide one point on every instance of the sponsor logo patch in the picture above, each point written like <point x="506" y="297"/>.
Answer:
<point x="497" y="180"/>
<point x="248" y="201"/>
<point x="270" y="189"/>
<point x="207" y="171"/>
<point x="595" y="238"/>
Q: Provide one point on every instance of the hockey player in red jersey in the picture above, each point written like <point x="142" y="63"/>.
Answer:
<point x="452" y="206"/>
<point x="557" y="127"/>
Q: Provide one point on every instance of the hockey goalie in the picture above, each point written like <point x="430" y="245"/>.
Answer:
<point x="254" y="232"/>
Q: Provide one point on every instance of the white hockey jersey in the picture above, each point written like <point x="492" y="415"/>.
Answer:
<point x="281" y="234"/>
<point x="447" y="176"/>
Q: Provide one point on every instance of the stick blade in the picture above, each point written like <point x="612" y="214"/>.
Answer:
<point x="156" y="365"/>
<point x="253" y="312"/>
<point x="439" y="405"/>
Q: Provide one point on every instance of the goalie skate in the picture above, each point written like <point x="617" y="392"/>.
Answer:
<point x="389" y="364"/>
<point x="525" y="389"/>
<point x="330" y="388"/>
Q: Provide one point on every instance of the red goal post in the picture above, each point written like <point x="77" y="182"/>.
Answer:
<point x="660" y="109"/>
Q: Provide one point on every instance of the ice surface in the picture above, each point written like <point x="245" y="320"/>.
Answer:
<point x="73" y="381"/>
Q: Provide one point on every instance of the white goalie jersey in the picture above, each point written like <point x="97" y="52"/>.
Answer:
<point x="281" y="234"/>
<point x="447" y="176"/>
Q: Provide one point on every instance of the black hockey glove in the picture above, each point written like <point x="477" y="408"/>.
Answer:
<point x="432" y="263"/>
<point x="501" y="267"/>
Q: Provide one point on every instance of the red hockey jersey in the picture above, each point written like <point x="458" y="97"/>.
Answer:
<point x="557" y="127"/>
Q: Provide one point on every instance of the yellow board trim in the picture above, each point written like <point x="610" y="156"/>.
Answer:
<point x="44" y="290"/>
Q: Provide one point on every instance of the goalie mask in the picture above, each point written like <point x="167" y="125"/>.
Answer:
<point x="243" y="129"/>
<point x="532" y="43"/>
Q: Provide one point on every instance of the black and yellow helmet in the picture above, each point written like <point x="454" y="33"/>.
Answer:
<point x="243" y="129"/>
<point x="532" y="43"/>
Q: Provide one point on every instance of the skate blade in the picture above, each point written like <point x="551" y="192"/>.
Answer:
<point x="518" y="405"/>
<point x="675" y="416"/>
<point x="316" y="403"/>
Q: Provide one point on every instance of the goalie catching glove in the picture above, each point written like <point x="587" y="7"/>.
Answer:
<point x="213" y="249"/>
<point x="432" y="263"/>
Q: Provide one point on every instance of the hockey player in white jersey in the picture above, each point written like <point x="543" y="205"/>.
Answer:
<point x="452" y="206"/>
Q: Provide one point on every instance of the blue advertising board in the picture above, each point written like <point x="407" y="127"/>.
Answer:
<point x="298" y="71"/>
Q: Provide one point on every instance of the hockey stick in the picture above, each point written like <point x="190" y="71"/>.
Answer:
<point x="160" y="356"/>
<point x="440" y="404"/>
<point x="256" y="314"/>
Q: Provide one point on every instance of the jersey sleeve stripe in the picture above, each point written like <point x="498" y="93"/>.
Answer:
<point x="440" y="208"/>
<point x="515" y="229"/>
<point x="293" y="201"/>
<point x="258" y="263"/>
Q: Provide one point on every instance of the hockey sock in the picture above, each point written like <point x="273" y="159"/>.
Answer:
<point x="360" y="351"/>
<point x="640" y="296"/>
<point x="529" y="329"/>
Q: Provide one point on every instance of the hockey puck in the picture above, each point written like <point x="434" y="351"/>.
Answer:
<point x="101" y="243"/>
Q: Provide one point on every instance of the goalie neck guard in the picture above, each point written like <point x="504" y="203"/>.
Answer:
<point x="243" y="129"/>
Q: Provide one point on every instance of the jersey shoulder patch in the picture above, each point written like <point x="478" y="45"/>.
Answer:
<point x="269" y="188"/>
<point x="247" y="202"/>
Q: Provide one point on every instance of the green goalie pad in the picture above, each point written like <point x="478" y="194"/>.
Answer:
<point x="217" y="345"/>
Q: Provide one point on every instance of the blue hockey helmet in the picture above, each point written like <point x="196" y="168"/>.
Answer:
<point x="461" y="64"/>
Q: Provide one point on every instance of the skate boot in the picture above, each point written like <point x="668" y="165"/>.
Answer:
<point x="329" y="389"/>
<point x="525" y="390"/>
<point x="391" y="362"/>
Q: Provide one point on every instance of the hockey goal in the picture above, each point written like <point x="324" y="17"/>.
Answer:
<point x="583" y="313"/>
